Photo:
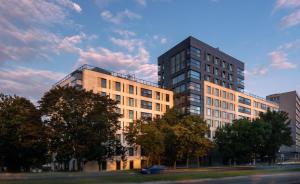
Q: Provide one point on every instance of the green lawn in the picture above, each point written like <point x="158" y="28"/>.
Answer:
<point x="129" y="177"/>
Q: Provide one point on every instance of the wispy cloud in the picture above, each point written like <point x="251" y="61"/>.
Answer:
<point x="119" y="16"/>
<point x="129" y="44"/>
<point x="28" y="82"/>
<point x="125" y="33"/>
<point x="257" y="71"/>
<point x="141" y="2"/>
<point x="290" y="20"/>
<point x="279" y="60"/>
<point x="160" y="39"/>
<point x="293" y="18"/>
<point x="287" y="4"/>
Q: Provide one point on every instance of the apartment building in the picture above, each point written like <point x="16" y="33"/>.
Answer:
<point x="290" y="103"/>
<point x="136" y="99"/>
<point x="184" y="67"/>
<point x="223" y="105"/>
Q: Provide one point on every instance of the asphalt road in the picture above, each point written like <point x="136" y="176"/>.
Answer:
<point x="279" y="178"/>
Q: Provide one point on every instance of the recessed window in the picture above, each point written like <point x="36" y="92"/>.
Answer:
<point x="167" y="97"/>
<point x="131" y="114"/>
<point x="194" y="98"/>
<point x="131" y="89"/>
<point x="146" y="104"/>
<point x="118" y="86"/>
<point x="194" y="63"/>
<point x="146" y="92"/>
<point x="157" y="107"/>
<point x="103" y="83"/>
<point x="130" y="102"/>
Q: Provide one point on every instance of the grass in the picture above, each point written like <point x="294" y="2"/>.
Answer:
<point x="132" y="177"/>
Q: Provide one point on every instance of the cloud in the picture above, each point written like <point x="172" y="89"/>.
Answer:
<point x="120" y="16"/>
<point x="24" y="32"/>
<point x="125" y="33"/>
<point x="287" y="4"/>
<point x="292" y="19"/>
<point x="257" y="71"/>
<point x="141" y="2"/>
<point x="161" y="39"/>
<point x="279" y="60"/>
<point x="129" y="44"/>
<point x="27" y="82"/>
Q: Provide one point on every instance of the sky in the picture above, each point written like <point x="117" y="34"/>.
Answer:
<point x="42" y="41"/>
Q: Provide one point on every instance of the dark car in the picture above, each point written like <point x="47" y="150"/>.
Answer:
<point x="155" y="169"/>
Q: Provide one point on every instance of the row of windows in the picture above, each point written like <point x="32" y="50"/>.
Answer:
<point x="219" y="114"/>
<point x="144" y="92"/>
<point x="130" y="114"/>
<point x="218" y="103"/>
<point x="217" y="61"/>
<point x="245" y="110"/>
<point x="220" y="93"/>
<point x="218" y="81"/>
<point x="244" y="100"/>
<point x="215" y="123"/>
<point x="216" y="72"/>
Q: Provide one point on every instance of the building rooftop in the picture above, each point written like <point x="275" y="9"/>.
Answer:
<point x="130" y="77"/>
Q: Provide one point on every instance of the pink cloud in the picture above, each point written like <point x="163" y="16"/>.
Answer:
<point x="279" y="60"/>
<point x="287" y="4"/>
<point x="291" y="19"/>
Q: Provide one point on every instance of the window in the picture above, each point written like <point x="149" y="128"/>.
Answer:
<point x="130" y="151"/>
<point x="145" y="115"/>
<point x="131" y="114"/>
<point x="231" y="107"/>
<point x="157" y="95"/>
<point x="193" y="74"/>
<point x="217" y="92"/>
<point x="167" y="97"/>
<point x="216" y="71"/>
<point x="194" y="110"/>
<point x="178" y="62"/>
<point x="103" y="83"/>
<point x="224" y="94"/>
<point x="146" y="104"/>
<point x="118" y="86"/>
<point x="180" y="89"/>
<point x="216" y="61"/>
<point x="223" y="83"/>
<point x="240" y="71"/>
<point x="216" y="81"/>
<point x="208" y="112"/>
<point x="146" y="92"/>
<point x="224" y="105"/>
<point x="194" y="63"/>
<point x="243" y="109"/>
<point x="230" y="67"/>
<point x="230" y="77"/>
<point x="103" y="93"/>
<point x="178" y="79"/>
<point x="207" y="77"/>
<point x="240" y="81"/>
<point x="208" y="89"/>
<point x="217" y="103"/>
<point x="208" y="101"/>
<point x="208" y="57"/>
<point x="118" y="111"/>
<point x="217" y="113"/>
<point x="224" y="75"/>
<point x="264" y="106"/>
<point x="130" y="102"/>
<point x="131" y="89"/>
<point x="244" y="100"/>
<point x="194" y="98"/>
<point x="207" y="68"/>
<point x="195" y="52"/>
<point x="157" y="107"/>
<point x="224" y="64"/>
<point x="118" y="98"/>
<point x="194" y="86"/>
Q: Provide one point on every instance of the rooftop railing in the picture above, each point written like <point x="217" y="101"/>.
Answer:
<point x="116" y="74"/>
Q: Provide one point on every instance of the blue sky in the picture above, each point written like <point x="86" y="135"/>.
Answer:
<point x="41" y="41"/>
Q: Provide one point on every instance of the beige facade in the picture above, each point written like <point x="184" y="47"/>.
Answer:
<point x="223" y="105"/>
<point x="136" y="99"/>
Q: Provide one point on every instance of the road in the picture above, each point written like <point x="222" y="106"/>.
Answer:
<point x="279" y="178"/>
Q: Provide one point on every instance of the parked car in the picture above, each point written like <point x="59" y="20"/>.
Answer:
<point x="155" y="169"/>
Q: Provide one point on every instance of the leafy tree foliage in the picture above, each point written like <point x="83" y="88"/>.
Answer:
<point x="171" y="137"/>
<point x="22" y="136"/>
<point x="80" y="124"/>
<point x="244" y="141"/>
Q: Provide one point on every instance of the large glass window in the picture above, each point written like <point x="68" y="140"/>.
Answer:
<point x="118" y="86"/>
<point x="194" y="98"/>
<point x="193" y="74"/>
<point x="146" y="104"/>
<point x="145" y="115"/>
<point x="178" y="62"/>
<point x="195" y="52"/>
<point x="180" y="89"/>
<point x="178" y="79"/>
<point x="194" y="109"/>
<point x="146" y="92"/>
<point x="243" y="109"/>
<point x="103" y="83"/>
<point x="194" y="63"/>
<point x="244" y="100"/>
<point x="194" y="86"/>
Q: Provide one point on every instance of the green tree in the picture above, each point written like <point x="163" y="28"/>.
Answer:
<point x="280" y="133"/>
<point x="22" y="135"/>
<point x="80" y="124"/>
<point x="190" y="137"/>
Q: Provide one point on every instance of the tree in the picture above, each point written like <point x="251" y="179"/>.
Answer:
<point x="22" y="134"/>
<point x="80" y="124"/>
<point x="190" y="138"/>
<point x="280" y="133"/>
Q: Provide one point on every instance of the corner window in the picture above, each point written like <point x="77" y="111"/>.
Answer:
<point x="194" y="75"/>
<point x="194" y="86"/>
